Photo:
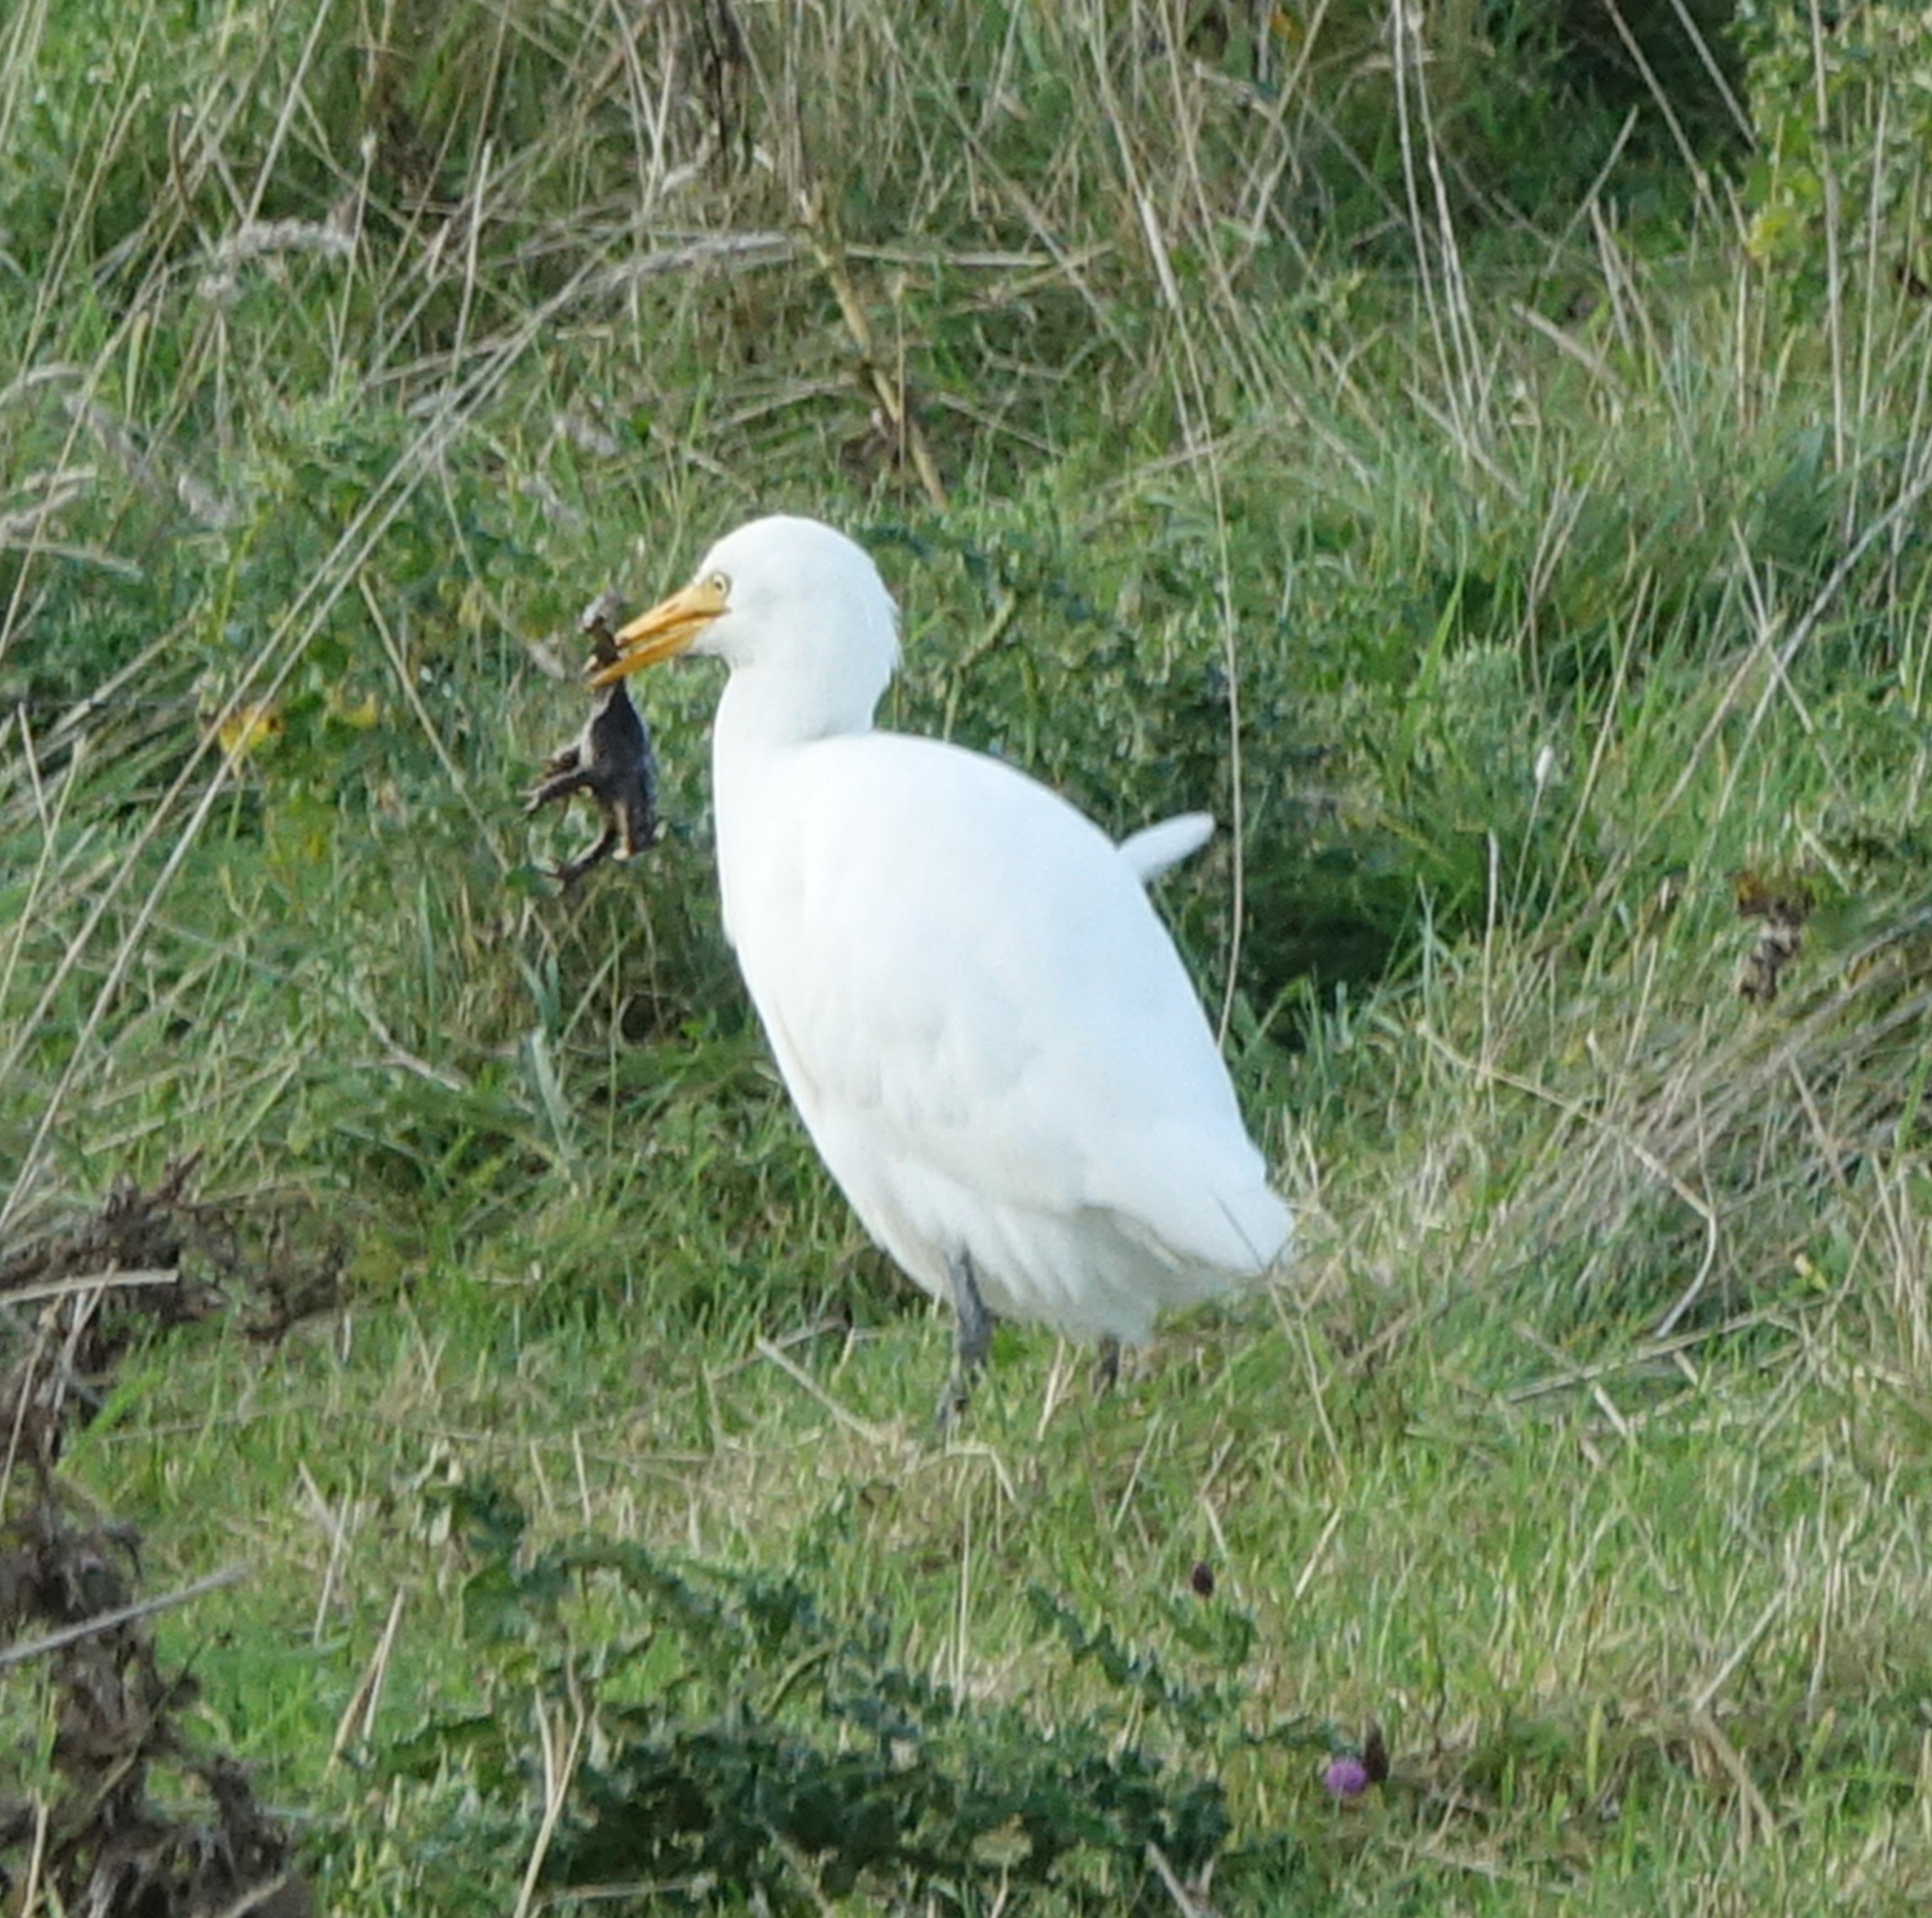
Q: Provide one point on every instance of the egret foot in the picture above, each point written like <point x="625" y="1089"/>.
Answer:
<point x="972" y="1338"/>
<point x="1106" y="1365"/>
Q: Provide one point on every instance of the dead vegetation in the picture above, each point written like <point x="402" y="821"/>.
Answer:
<point x="129" y="1818"/>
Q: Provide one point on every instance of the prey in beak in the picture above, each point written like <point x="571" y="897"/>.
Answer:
<point x="610" y="760"/>
<point x="666" y="629"/>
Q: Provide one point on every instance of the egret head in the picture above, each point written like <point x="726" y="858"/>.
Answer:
<point x="779" y="595"/>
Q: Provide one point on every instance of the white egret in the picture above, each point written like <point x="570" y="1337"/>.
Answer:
<point x="984" y="1025"/>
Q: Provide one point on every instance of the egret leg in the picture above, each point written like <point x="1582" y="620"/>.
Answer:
<point x="1107" y="1365"/>
<point x="973" y="1336"/>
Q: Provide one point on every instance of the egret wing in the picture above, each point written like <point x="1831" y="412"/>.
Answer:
<point x="976" y="1006"/>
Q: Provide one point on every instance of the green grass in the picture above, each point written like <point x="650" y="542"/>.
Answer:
<point x="1557" y="542"/>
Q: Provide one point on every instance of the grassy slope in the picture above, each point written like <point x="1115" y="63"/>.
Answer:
<point x="1563" y="581"/>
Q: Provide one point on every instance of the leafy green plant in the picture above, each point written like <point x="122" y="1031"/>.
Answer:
<point x="1843" y="108"/>
<point x="736" y="1741"/>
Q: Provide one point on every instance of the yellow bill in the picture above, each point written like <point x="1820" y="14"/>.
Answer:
<point x="666" y="629"/>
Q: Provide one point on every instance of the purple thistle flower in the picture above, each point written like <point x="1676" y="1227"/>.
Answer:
<point x="1345" y="1777"/>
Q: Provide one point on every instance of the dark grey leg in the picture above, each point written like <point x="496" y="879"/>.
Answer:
<point x="1107" y="1365"/>
<point x="973" y="1335"/>
<point x="572" y="870"/>
<point x="567" y="776"/>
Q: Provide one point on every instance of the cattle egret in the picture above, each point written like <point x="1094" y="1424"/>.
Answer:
<point x="985" y="1028"/>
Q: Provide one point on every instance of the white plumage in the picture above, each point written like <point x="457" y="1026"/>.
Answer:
<point x="984" y="1027"/>
<point x="1154" y="848"/>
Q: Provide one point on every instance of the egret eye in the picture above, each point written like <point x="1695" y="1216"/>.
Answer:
<point x="721" y="584"/>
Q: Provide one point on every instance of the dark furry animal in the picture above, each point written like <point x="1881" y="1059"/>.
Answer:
<point x="610" y="759"/>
